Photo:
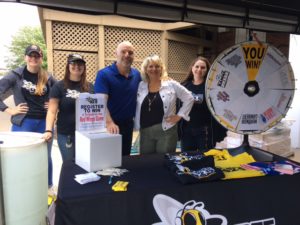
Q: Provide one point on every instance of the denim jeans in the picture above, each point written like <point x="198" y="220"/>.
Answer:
<point x="156" y="140"/>
<point x="37" y="125"/>
<point x="66" y="144"/>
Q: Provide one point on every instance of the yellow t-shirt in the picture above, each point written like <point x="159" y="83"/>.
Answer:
<point x="231" y="165"/>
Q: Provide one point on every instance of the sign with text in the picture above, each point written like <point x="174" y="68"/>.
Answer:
<point x="90" y="112"/>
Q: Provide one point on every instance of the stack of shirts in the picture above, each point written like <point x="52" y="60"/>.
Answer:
<point x="192" y="167"/>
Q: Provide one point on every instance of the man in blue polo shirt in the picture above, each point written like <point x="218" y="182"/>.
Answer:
<point x="119" y="82"/>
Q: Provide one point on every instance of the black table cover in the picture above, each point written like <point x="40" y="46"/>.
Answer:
<point x="260" y="201"/>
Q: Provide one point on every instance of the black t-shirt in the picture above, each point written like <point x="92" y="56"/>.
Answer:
<point x="152" y="111"/>
<point x="67" y="103"/>
<point x="192" y="167"/>
<point x="200" y="115"/>
<point x="34" y="102"/>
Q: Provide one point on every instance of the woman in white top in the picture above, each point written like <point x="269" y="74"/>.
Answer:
<point x="156" y="115"/>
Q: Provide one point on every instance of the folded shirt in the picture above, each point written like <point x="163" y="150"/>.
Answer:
<point x="192" y="167"/>
<point x="202" y="174"/>
<point x="86" y="178"/>
<point x="173" y="159"/>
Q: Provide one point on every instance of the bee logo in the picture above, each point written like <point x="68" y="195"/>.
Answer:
<point x="173" y="212"/>
<point x="190" y="215"/>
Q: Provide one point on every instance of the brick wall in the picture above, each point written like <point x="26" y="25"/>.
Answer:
<point x="225" y="40"/>
<point x="279" y="40"/>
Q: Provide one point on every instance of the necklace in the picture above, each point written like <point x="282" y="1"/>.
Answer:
<point x="150" y="101"/>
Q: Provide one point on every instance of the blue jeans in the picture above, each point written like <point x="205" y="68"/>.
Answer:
<point x="37" y="125"/>
<point x="196" y="139"/>
<point x="66" y="144"/>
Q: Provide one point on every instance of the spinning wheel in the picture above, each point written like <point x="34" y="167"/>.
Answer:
<point x="250" y="87"/>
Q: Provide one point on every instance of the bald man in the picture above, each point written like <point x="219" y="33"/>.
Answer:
<point x="119" y="82"/>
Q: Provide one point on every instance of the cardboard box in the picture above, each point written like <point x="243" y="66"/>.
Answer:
<point x="96" y="151"/>
<point x="280" y="147"/>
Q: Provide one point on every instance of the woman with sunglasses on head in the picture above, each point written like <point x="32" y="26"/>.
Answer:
<point x="62" y="105"/>
<point x="30" y="86"/>
<point x="156" y="108"/>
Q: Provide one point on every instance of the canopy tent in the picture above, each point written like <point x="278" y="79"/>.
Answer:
<point x="264" y="15"/>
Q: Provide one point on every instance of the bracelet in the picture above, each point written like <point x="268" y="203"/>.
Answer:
<point x="50" y="131"/>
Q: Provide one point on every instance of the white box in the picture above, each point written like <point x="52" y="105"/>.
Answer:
<point x="96" y="151"/>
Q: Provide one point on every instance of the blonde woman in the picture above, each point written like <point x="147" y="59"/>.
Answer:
<point x="156" y="115"/>
<point x="30" y="86"/>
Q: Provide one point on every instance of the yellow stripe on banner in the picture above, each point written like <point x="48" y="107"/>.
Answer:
<point x="253" y="56"/>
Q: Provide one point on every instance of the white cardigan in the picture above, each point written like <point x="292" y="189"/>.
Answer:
<point x="169" y="91"/>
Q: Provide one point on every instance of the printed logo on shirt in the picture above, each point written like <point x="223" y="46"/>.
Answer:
<point x="31" y="88"/>
<point x="183" y="157"/>
<point x="72" y="94"/>
<point x="199" y="174"/>
<point x="198" y="98"/>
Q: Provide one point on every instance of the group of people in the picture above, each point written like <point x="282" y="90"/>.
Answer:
<point x="149" y="101"/>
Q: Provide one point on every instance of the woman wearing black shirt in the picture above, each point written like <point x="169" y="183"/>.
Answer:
<point x="202" y="131"/>
<point x="62" y="103"/>
<point x="30" y="86"/>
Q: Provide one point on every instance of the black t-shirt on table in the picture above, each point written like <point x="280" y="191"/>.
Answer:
<point x="67" y="103"/>
<point x="34" y="102"/>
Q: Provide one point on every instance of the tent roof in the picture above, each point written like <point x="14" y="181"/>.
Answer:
<point x="265" y="15"/>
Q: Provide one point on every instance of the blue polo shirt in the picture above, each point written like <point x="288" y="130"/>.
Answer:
<point x="121" y="91"/>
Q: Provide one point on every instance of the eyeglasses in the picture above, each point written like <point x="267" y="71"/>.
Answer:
<point x="34" y="56"/>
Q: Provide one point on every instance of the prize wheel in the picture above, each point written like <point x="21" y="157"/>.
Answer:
<point x="250" y="87"/>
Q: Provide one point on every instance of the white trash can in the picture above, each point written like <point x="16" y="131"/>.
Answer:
<point x="24" y="168"/>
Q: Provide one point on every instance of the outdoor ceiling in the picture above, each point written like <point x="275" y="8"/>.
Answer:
<point x="264" y="15"/>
